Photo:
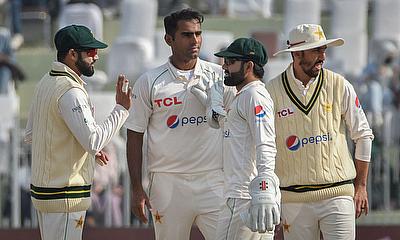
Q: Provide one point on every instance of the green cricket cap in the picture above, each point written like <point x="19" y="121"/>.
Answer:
<point x="248" y="49"/>
<point x="76" y="37"/>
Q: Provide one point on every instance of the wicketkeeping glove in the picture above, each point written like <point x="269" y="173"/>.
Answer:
<point x="264" y="211"/>
<point x="200" y="91"/>
<point x="210" y="92"/>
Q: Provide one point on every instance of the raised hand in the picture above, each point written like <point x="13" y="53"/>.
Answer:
<point x="123" y="97"/>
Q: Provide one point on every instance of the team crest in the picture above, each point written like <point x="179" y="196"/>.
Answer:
<point x="327" y="107"/>
<point x="158" y="217"/>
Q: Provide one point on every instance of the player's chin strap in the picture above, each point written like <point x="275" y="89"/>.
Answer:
<point x="210" y="92"/>
<point x="264" y="211"/>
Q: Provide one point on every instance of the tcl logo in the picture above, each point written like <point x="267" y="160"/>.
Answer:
<point x="285" y="112"/>
<point x="166" y="102"/>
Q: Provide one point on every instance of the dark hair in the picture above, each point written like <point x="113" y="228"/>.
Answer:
<point x="171" y="21"/>
<point x="61" y="55"/>
<point x="258" y="71"/>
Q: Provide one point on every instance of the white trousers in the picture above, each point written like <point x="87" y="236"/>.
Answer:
<point x="61" y="226"/>
<point x="179" y="200"/>
<point x="334" y="218"/>
<point x="230" y="225"/>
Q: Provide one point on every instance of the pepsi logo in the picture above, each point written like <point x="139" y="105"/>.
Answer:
<point x="259" y="111"/>
<point x="173" y="121"/>
<point x="293" y="143"/>
<point x="358" y="102"/>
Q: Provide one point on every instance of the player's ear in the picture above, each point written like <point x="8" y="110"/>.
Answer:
<point x="250" y="65"/>
<point x="297" y="54"/>
<point x="168" y="39"/>
<point x="73" y="53"/>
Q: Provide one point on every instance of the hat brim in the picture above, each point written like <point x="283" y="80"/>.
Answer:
<point x="307" y="46"/>
<point x="95" y="44"/>
<point x="227" y="54"/>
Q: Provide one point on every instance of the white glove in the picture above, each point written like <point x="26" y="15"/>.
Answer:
<point x="264" y="211"/>
<point x="210" y="92"/>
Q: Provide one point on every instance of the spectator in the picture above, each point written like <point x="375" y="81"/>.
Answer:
<point x="17" y="37"/>
<point x="8" y="68"/>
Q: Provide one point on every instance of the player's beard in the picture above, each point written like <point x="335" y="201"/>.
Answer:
<point x="84" y="68"/>
<point x="235" y="78"/>
<point x="309" y="68"/>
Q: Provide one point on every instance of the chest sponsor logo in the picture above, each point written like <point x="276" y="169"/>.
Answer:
<point x="174" y="121"/>
<point x="167" y="102"/>
<point x="293" y="142"/>
<point x="259" y="111"/>
<point x="286" y="112"/>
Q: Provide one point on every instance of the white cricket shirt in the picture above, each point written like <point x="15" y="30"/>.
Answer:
<point x="179" y="140"/>
<point x="249" y="139"/>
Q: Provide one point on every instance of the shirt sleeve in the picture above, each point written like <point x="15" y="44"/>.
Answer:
<point x="229" y="95"/>
<point x="142" y="108"/>
<point x="77" y="113"/>
<point x="357" y="124"/>
<point x="257" y="109"/>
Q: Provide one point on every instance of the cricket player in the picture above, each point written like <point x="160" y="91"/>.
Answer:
<point x="65" y="137"/>
<point x="323" y="188"/>
<point x="184" y="154"/>
<point x="251" y="190"/>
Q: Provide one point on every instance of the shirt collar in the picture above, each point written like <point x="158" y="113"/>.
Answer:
<point x="250" y="84"/>
<point x="197" y="70"/>
<point x="298" y="82"/>
<point x="61" y="67"/>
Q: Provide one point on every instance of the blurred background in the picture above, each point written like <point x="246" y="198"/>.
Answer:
<point x="134" y="31"/>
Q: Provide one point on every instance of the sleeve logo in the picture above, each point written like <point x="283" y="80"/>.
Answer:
<point x="259" y="111"/>
<point x="358" y="104"/>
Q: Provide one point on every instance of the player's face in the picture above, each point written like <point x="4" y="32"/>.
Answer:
<point x="311" y="61"/>
<point x="85" y="62"/>
<point x="187" y="40"/>
<point x="234" y="72"/>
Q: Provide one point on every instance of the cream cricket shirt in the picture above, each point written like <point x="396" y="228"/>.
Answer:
<point x="179" y="139"/>
<point x="64" y="138"/>
<point x="313" y="160"/>
<point x="249" y="139"/>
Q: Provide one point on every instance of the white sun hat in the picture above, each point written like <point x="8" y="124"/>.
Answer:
<point x="308" y="36"/>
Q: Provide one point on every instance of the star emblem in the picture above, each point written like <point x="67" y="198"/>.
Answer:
<point x="319" y="33"/>
<point x="327" y="107"/>
<point x="286" y="226"/>
<point x="79" y="223"/>
<point x="158" y="217"/>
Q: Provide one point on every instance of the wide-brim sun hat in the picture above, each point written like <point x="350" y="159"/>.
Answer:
<point x="308" y="36"/>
